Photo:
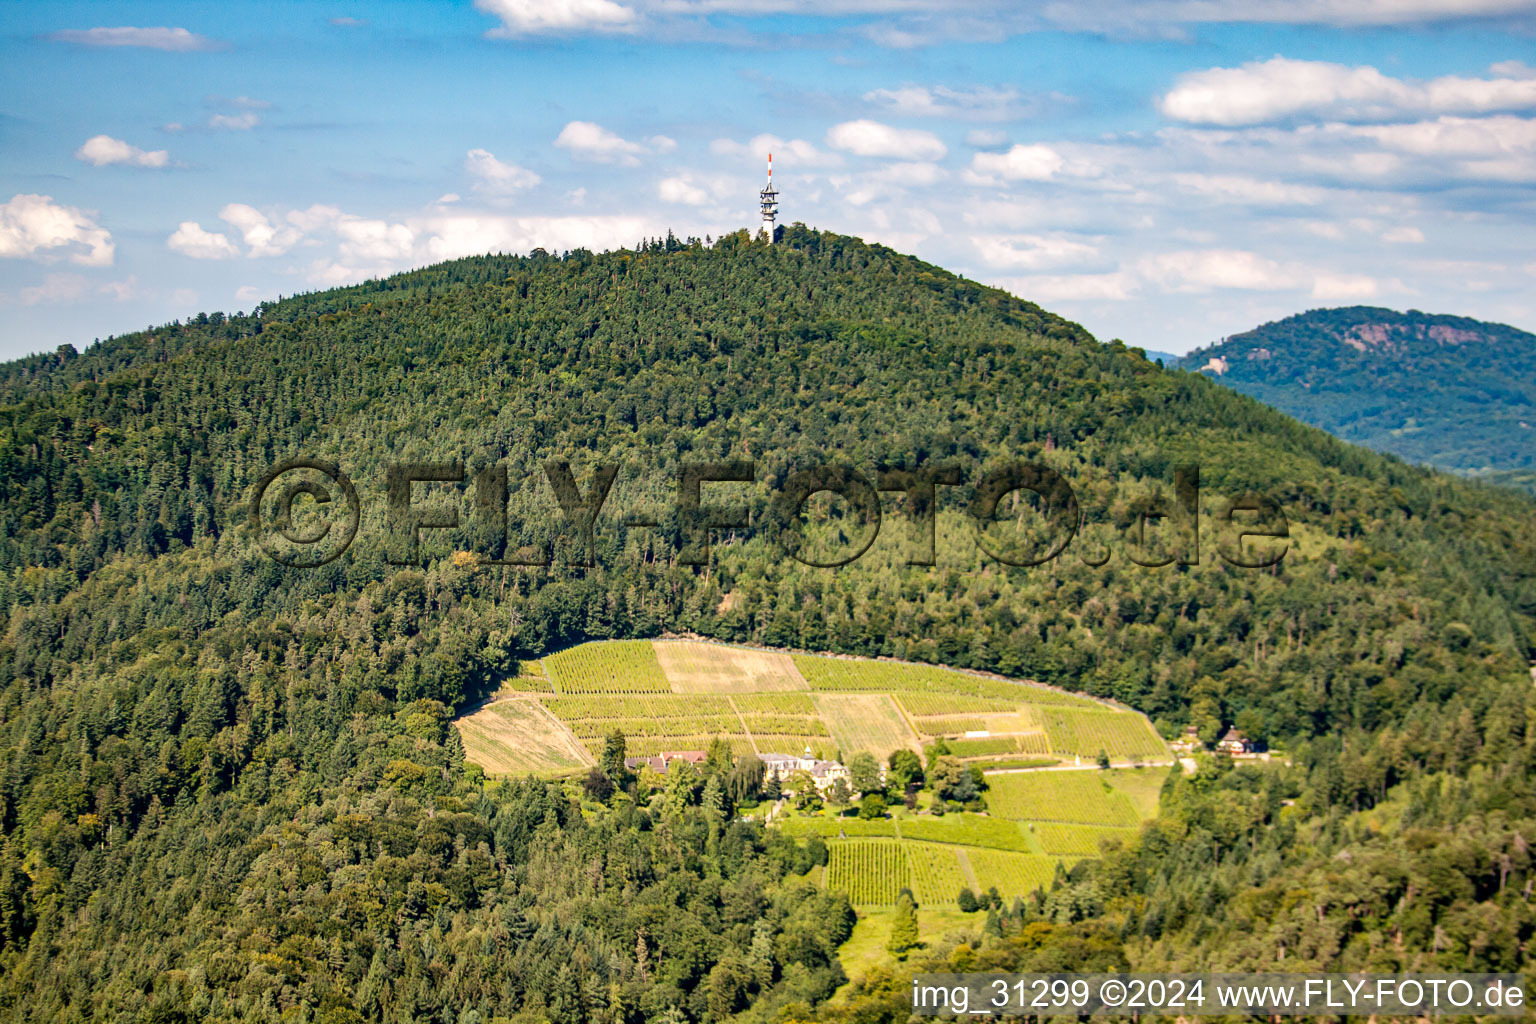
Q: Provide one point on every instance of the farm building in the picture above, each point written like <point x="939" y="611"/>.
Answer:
<point x="658" y="762"/>
<point x="822" y="773"/>
<point x="1234" y="743"/>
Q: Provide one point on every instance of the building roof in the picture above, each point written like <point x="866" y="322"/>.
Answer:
<point x="1233" y="736"/>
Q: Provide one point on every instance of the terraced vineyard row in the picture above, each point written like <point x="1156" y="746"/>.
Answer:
<point x="1014" y="874"/>
<point x="1122" y="735"/>
<point x="640" y="728"/>
<point x="656" y="706"/>
<point x="775" y="703"/>
<point x="870" y="871"/>
<point x="1072" y="796"/>
<point x="611" y="666"/>
<point x="860" y="675"/>
<point x="1077" y="840"/>
<point x="644" y="746"/>
<point x="790" y="725"/>
<point x="966" y="830"/>
<point x="936" y="872"/>
<point x="920" y="704"/>
<point x="851" y="828"/>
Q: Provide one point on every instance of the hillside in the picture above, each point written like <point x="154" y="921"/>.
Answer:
<point x="1447" y="391"/>
<point x="229" y="789"/>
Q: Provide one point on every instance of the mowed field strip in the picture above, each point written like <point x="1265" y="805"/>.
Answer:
<point x="692" y="667"/>
<point x="511" y="737"/>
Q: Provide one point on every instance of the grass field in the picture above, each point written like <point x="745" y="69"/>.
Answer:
<point x="966" y="830"/>
<point x="1078" y="797"/>
<point x="1062" y="840"/>
<point x="1143" y="786"/>
<point x="715" y="668"/>
<point x="515" y="736"/>
<point x="938" y="872"/>
<point x="870" y="871"/>
<point x="611" y="666"/>
<point x="869" y="722"/>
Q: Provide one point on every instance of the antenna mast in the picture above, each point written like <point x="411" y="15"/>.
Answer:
<point x="769" y="200"/>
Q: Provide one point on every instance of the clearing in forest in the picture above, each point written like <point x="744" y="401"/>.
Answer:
<point x="515" y="736"/>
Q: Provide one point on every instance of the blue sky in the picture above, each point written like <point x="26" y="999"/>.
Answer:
<point x="1165" y="171"/>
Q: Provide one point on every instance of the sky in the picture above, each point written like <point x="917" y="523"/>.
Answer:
<point x="1166" y="172"/>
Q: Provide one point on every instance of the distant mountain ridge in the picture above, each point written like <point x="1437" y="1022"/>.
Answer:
<point x="1448" y="391"/>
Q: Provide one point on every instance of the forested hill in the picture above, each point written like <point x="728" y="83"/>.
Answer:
<point x="228" y="790"/>
<point x="1447" y="391"/>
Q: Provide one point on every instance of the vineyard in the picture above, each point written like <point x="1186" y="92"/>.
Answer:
<point x="1061" y="840"/>
<point x="862" y="675"/>
<point x="937" y="872"/>
<point x="1080" y="797"/>
<point x="1123" y="736"/>
<point x="870" y="871"/>
<point x="966" y="830"/>
<point x="611" y="666"/>
<point x="920" y="705"/>
<point x="868" y="722"/>
<point x="640" y="717"/>
<point x="775" y="704"/>
<point x="1014" y="874"/>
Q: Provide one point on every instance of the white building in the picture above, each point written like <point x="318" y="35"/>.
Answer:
<point x="822" y="773"/>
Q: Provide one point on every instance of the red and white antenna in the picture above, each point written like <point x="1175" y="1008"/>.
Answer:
<point x="768" y="199"/>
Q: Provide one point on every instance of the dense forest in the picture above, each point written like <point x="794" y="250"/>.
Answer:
<point x="1447" y="391"/>
<point x="228" y="790"/>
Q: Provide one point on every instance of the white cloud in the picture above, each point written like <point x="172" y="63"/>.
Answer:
<point x="1202" y="270"/>
<point x="532" y="17"/>
<point x="1250" y="191"/>
<point x="1343" y="287"/>
<point x="496" y="176"/>
<point x="1112" y="287"/>
<point x="34" y="226"/>
<point x="792" y="152"/>
<point x="871" y="138"/>
<point x="983" y="138"/>
<point x="242" y="122"/>
<point x="247" y="293"/>
<point x="190" y="239"/>
<point x="370" y="242"/>
<point x="1408" y="235"/>
<point x="982" y="103"/>
<point x="55" y="288"/>
<point x="101" y="150"/>
<point x="680" y="190"/>
<point x="1031" y="252"/>
<point x="75" y="287"/>
<point x="261" y="236"/>
<point x="1280" y="89"/>
<point x="1020" y="163"/>
<point x="596" y="144"/>
<point x="175" y="39"/>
